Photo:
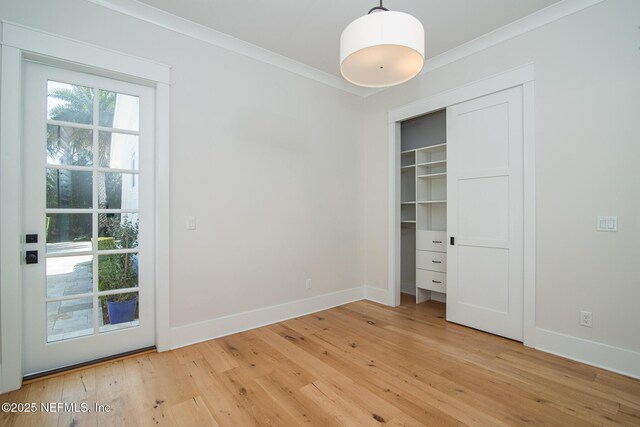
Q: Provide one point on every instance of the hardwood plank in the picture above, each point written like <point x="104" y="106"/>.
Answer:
<point x="619" y="382"/>
<point x="79" y="387"/>
<point x="7" y="418"/>
<point x="391" y="378"/>
<point x="148" y="402"/>
<point x="288" y="394"/>
<point x="358" y="364"/>
<point x="192" y="412"/>
<point x="224" y="406"/>
<point x="257" y="402"/>
<point x="628" y="416"/>
<point x="594" y="388"/>
<point x="341" y="410"/>
<point x="49" y="390"/>
<point x="90" y="365"/>
<point x="219" y="359"/>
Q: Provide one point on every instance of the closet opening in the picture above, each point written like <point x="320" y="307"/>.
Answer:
<point x="423" y="208"/>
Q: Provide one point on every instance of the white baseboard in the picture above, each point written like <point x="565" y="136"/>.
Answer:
<point x="622" y="361"/>
<point x="616" y="359"/>
<point x="381" y="296"/>
<point x="202" y="331"/>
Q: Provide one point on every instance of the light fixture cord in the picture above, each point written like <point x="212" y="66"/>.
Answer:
<point x="379" y="8"/>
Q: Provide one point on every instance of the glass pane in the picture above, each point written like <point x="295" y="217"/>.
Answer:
<point x="118" y="111"/>
<point x="118" y="150"/>
<point x="117" y="231"/>
<point x="117" y="190"/>
<point x="70" y="318"/>
<point x="69" y="189"/>
<point x="69" y="146"/>
<point x="70" y="103"/>
<point x="119" y="271"/>
<point x="68" y="232"/>
<point x="69" y="275"/>
<point x="118" y="311"/>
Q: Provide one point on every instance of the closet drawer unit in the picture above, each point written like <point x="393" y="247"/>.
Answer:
<point x="428" y="260"/>
<point x="431" y="280"/>
<point x="431" y="241"/>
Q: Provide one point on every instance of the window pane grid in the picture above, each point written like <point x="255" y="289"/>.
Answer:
<point x="70" y="124"/>
<point x="92" y="127"/>
<point x="91" y="169"/>
<point x="96" y="184"/>
<point x="90" y="294"/>
<point x="70" y="297"/>
<point x="69" y="167"/>
<point x="101" y="124"/>
<point x="118" y="291"/>
<point x="118" y="130"/>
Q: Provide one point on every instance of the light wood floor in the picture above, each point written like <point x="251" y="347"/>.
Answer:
<point x="360" y="364"/>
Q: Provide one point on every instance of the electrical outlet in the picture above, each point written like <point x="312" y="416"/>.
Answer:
<point x="308" y="283"/>
<point x="586" y="319"/>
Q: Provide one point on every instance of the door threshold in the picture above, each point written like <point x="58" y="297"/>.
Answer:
<point x="27" y="379"/>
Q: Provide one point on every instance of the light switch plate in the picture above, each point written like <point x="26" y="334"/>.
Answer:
<point x="607" y="223"/>
<point x="191" y="222"/>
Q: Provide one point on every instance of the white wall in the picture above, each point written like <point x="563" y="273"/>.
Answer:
<point x="269" y="162"/>
<point x="280" y="170"/>
<point x="587" y="130"/>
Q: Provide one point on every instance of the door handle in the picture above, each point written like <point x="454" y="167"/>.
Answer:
<point x="452" y="240"/>
<point x="32" y="257"/>
<point x="436" y="262"/>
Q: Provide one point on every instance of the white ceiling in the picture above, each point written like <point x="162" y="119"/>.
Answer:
<point x="309" y="31"/>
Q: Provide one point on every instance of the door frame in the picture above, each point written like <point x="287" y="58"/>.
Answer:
<point x="17" y="44"/>
<point x="523" y="76"/>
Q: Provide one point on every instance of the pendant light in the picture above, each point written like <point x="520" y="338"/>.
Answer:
<point x="382" y="48"/>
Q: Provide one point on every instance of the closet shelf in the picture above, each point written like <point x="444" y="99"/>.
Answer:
<point x="431" y="201"/>
<point x="408" y="203"/>
<point x="436" y="147"/>
<point x="433" y="175"/>
<point x="433" y="164"/>
<point x="408" y="167"/>
<point x="408" y="222"/>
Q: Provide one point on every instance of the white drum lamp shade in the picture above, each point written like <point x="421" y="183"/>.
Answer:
<point x="382" y="49"/>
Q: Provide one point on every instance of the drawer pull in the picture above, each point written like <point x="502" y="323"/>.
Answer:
<point x="436" y="262"/>
<point x="436" y="281"/>
<point x="436" y="241"/>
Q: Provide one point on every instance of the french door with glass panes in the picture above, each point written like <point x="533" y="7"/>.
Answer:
<point x="88" y="201"/>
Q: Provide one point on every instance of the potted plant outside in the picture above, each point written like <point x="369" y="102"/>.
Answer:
<point x="119" y="271"/>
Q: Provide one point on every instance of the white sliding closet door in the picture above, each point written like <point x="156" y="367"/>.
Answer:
<point x="485" y="213"/>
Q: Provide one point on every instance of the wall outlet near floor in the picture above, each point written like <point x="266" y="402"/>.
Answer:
<point x="586" y="319"/>
<point x="308" y="284"/>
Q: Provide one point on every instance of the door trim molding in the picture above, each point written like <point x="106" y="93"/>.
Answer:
<point x="17" y="43"/>
<point x="62" y="48"/>
<point x="10" y="221"/>
<point x="521" y="76"/>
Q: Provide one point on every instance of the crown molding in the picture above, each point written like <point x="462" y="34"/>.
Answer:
<point x="183" y="26"/>
<point x="514" y="29"/>
<point x="197" y="31"/>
